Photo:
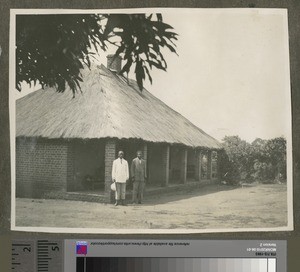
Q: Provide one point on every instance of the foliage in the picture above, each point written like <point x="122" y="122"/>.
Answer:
<point x="227" y="170"/>
<point x="140" y="41"/>
<point x="262" y="160"/>
<point x="52" y="49"/>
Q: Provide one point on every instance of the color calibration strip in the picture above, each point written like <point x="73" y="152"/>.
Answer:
<point x="117" y="264"/>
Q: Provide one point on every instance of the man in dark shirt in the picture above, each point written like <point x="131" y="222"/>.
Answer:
<point x="139" y="177"/>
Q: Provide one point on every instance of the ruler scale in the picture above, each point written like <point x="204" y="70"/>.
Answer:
<point x="49" y="256"/>
<point x="23" y="256"/>
<point x="37" y="256"/>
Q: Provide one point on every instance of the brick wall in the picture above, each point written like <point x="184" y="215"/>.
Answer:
<point x="145" y="151"/>
<point x="145" y="156"/>
<point x="71" y="178"/>
<point x="41" y="167"/>
<point x="110" y="156"/>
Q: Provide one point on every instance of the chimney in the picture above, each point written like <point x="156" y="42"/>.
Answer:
<point x="114" y="63"/>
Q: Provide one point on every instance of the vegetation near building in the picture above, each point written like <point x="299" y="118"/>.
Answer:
<point x="261" y="160"/>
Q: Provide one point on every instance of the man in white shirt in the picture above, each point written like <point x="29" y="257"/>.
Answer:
<point x="120" y="175"/>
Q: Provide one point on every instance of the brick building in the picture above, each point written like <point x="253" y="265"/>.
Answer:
<point x="66" y="144"/>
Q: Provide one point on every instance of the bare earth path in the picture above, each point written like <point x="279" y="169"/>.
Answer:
<point x="210" y="207"/>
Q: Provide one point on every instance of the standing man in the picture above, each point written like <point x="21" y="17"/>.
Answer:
<point x="139" y="177"/>
<point x="120" y="175"/>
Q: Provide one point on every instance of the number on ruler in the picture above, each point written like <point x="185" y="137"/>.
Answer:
<point x="55" y="248"/>
<point x="28" y="249"/>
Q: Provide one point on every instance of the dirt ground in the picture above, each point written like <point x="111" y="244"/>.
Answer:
<point x="210" y="207"/>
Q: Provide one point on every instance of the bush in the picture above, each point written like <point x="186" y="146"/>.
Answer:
<point x="261" y="161"/>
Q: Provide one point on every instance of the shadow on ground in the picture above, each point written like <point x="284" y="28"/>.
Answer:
<point x="186" y="193"/>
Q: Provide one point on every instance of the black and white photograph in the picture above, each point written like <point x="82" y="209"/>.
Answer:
<point x="150" y="120"/>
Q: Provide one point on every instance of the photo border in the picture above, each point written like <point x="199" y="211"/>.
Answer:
<point x="12" y="110"/>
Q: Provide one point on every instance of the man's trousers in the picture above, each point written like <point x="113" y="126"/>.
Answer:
<point x="120" y="190"/>
<point x="138" y="191"/>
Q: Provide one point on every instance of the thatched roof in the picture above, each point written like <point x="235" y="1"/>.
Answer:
<point x="108" y="107"/>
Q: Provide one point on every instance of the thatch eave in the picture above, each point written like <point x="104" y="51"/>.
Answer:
<point x="38" y="138"/>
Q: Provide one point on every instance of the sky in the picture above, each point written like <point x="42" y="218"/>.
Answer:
<point x="231" y="75"/>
